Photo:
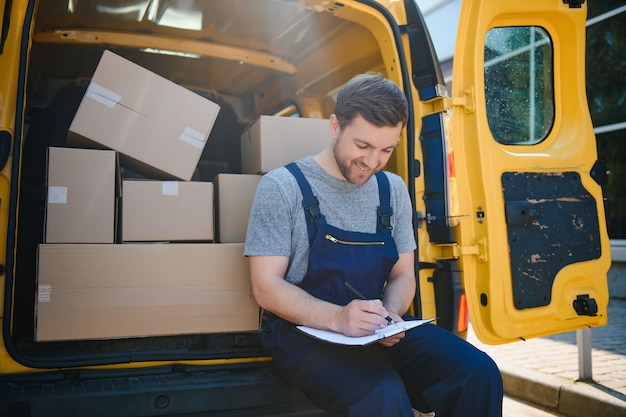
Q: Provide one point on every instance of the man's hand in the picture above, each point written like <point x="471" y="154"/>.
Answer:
<point x="362" y="317"/>
<point x="390" y="341"/>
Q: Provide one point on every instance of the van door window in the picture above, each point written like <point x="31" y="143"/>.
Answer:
<point x="519" y="84"/>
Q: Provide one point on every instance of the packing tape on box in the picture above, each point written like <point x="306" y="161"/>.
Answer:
<point x="169" y="188"/>
<point x="57" y="195"/>
<point x="192" y="137"/>
<point x="102" y="95"/>
<point x="44" y="293"/>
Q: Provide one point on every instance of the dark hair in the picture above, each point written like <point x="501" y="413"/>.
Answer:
<point x="373" y="97"/>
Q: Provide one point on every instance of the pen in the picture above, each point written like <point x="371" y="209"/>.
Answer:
<point x="358" y="294"/>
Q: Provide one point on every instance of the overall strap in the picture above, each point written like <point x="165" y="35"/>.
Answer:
<point x="311" y="204"/>
<point x="385" y="211"/>
<point x="309" y="201"/>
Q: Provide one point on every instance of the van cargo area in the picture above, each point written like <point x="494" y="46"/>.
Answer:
<point x="235" y="60"/>
<point x="246" y="59"/>
<point x="181" y="92"/>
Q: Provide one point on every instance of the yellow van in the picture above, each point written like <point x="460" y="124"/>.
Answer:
<point x="501" y="167"/>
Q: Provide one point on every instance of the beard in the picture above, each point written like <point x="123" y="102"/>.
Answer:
<point x="350" y="168"/>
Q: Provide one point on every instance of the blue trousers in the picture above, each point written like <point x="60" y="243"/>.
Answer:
<point x="430" y="369"/>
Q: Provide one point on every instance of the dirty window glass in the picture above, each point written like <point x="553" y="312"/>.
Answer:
<point x="519" y="84"/>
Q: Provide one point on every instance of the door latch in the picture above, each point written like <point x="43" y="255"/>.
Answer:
<point x="585" y="306"/>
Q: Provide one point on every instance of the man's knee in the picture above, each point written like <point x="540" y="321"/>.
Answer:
<point x="485" y="369"/>
<point x="388" y="396"/>
<point x="369" y="394"/>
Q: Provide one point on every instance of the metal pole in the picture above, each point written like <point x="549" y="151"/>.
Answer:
<point x="583" y="340"/>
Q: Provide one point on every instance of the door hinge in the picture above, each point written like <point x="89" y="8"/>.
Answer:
<point x="455" y="251"/>
<point x="444" y="103"/>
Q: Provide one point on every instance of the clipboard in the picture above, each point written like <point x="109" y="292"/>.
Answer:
<point x="341" y="339"/>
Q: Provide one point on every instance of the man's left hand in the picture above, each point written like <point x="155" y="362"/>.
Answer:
<point x="390" y="341"/>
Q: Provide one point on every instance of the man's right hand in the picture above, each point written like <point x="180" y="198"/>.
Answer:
<point x="362" y="317"/>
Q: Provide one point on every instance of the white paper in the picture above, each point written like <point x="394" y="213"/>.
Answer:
<point x="338" y="338"/>
<point x="45" y="293"/>
<point x="169" y="188"/>
<point x="57" y="195"/>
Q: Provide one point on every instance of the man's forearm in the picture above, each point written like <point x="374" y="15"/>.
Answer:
<point x="400" y="288"/>
<point x="293" y="304"/>
<point x="399" y="294"/>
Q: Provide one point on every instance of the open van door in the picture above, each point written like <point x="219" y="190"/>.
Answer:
<point x="532" y="241"/>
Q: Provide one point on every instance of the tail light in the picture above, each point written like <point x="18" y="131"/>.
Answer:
<point x="463" y="316"/>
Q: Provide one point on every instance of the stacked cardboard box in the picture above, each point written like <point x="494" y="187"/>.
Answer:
<point x="233" y="199"/>
<point x="167" y="210"/>
<point x="273" y="141"/>
<point x="81" y="203"/>
<point x="158" y="127"/>
<point x="145" y="289"/>
<point x="92" y="284"/>
<point x="105" y="270"/>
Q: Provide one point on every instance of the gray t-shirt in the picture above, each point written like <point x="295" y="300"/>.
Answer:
<point x="277" y="224"/>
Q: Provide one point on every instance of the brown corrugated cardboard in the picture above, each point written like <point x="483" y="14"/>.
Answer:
<point x="167" y="211"/>
<point x="273" y="141"/>
<point x="81" y="196"/>
<point x="233" y="198"/>
<point x="159" y="127"/>
<point x="144" y="289"/>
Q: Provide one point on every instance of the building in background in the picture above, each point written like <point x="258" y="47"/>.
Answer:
<point x="606" y="93"/>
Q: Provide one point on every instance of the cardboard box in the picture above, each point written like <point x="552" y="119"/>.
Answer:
<point x="234" y="194"/>
<point x="167" y="211"/>
<point x="143" y="289"/>
<point x="159" y="127"/>
<point x="273" y="141"/>
<point x="81" y="196"/>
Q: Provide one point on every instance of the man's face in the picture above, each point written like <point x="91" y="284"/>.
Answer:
<point x="361" y="149"/>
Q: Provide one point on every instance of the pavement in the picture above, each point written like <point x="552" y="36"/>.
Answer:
<point x="545" y="371"/>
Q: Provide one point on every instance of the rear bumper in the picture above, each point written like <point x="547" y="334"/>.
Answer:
<point x="250" y="390"/>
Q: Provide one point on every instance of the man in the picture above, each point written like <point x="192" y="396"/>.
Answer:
<point x="337" y="218"/>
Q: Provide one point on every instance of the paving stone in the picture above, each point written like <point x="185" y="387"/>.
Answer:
<point x="545" y="370"/>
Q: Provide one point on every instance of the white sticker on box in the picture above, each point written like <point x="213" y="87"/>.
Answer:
<point x="193" y="137"/>
<point x="102" y="95"/>
<point x="44" y="294"/>
<point x="169" y="188"/>
<point x="57" y="195"/>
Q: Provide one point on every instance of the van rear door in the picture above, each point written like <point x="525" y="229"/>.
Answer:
<point x="533" y="242"/>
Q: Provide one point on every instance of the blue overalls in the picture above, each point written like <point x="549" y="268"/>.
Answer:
<point x="429" y="369"/>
